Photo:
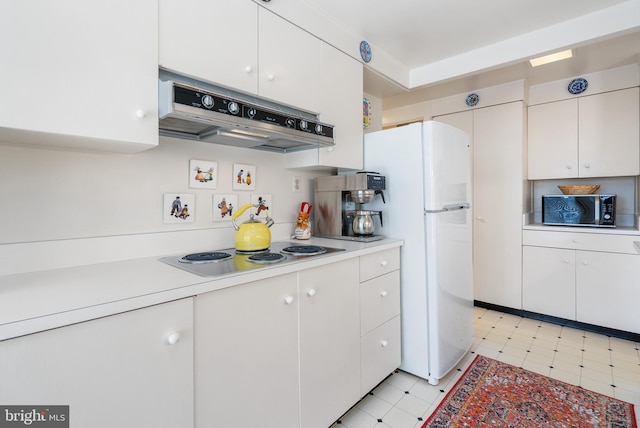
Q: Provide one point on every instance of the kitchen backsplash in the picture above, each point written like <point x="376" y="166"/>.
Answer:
<point x="55" y="200"/>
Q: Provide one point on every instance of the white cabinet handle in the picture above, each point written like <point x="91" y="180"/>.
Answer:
<point x="288" y="300"/>
<point x="480" y="218"/>
<point x="173" y="338"/>
<point x="586" y="263"/>
<point x="575" y="241"/>
<point x="140" y="114"/>
<point x="384" y="263"/>
<point x="565" y="260"/>
<point x="311" y="292"/>
<point x="569" y="166"/>
<point x="329" y="149"/>
<point x="586" y="165"/>
<point x="383" y="294"/>
<point x="271" y="77"/>
<point x="248" y="69"/>
<point x="384" y="343"/>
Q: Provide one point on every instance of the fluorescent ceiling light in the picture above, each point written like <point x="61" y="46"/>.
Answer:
<point x="551" y="58"/>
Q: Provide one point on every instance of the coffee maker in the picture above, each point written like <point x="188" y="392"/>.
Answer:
<point x="340" y="206"/>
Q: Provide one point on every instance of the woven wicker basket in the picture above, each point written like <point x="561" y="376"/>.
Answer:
<point x="579" y="190"/>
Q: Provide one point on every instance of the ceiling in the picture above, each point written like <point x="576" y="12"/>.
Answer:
<point x="422" y="33"/>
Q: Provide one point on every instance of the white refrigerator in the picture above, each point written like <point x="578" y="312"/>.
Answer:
<point x="428" y="204"/>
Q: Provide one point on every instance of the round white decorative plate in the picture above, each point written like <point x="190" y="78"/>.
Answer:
<point x="472" y="99"/>
<point x="577" y="86"/>
<point x="365" y="51"/>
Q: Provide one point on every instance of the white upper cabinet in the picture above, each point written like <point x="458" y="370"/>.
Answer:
<point x="213" y="40"/>
<point x="591" y="136"/>
<point x="79" y="74"/>
<point x="242" y="46"/>
<point x="341" y="107"/>
<point x="289" y="61"/>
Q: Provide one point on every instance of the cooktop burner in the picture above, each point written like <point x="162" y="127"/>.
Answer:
<point x="266" y="258"/>
<point x="228" y="261"/>
<point x="205" y="257"/>
<point x="304" y="250"/>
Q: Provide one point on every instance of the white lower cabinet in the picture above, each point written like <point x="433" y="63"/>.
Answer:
<point x="607" y="291"/>
<point x="549" y="281"/>
<point x="379" y="317"/>
<point x="246" y="355"/>
<point x="329" y="342"/>
<point x="280" y="352"/>
<point x="585" y="277"/>
<point x="133" y="369"/>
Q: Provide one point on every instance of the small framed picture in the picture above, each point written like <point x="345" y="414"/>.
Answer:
<point x="203" y="174"/>
<point x="179" y="207"/>
<point x="244" y="177"/>
<point x="223" y="206"/>
<point x="262" y="204"/>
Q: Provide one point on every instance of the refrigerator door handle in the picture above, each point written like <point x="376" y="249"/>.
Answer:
<point x="451" y="207"/>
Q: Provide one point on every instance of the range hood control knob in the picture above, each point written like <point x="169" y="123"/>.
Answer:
<point x="233" y="107"/>
<point x="291" y="123"/>
<point x="251" y="112"/>
<point x="207" y="101"/>
<point x="303" y="125"/>
<point x="318" y="129"/>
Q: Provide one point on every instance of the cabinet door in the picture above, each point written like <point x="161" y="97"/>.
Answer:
<point x="609" y="134"/>
<point x="80" y="74"/>
<point x="290" y="63"/>
<point x="246" y="355"/>
<point x="329" y="342"/>
<point x="118" y="371"/>
<point x="342" y="108"/>
<point x="607" y="291"/>
<point x="497" y="204"/>
<point x="553" y="140"/>
<point x="213" y="40"/>
<point x="549" y="281"/>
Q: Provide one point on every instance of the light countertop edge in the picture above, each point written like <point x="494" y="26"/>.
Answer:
<point x="38" y="301"/>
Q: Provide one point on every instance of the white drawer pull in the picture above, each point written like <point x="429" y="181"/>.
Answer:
<point x="248" y="69"/>
<point x="384" y="263"/>
<point x="586" y="263"/>
<point x="384" y="343"/>
<point x="141" y="114"/>
<point x="173" y="338"/>
<point x="565" y="260"/>
<point x="288" y="300"/>
<point x="383" y="294"/>
<point x="311" y="292"/>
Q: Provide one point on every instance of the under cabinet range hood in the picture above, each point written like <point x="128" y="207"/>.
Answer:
<point x="206" y="113"/>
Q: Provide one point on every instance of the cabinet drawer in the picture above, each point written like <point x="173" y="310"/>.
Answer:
<point x="376" y="264"/>
<point x="379" y="354"/>
<point x="609" y="243"/>
<point x="379" y="301"/>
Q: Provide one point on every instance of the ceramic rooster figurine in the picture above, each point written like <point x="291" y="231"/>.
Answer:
<point x="303" y="228"/>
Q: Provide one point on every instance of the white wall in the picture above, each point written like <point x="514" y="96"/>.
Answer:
<point x="59" y="195"/>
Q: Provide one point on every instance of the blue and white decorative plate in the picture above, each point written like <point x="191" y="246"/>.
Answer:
<point x="365" y="51"/>
<point x="472" y="99"/>
<point x="577" y="86"/>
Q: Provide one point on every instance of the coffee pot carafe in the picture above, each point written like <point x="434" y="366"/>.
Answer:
<point x="363" y="222"/>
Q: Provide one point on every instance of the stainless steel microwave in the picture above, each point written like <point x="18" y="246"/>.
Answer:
<point x="579" y="210"/>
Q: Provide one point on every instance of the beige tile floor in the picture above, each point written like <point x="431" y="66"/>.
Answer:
<point x="600" y="363"/>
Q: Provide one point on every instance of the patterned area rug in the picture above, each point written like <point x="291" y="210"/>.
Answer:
<point x="495" y="394"/>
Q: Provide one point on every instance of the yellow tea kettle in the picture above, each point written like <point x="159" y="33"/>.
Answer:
<point x="252" y="235"/>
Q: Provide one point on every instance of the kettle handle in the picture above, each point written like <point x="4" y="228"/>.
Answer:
<point x="238" y="213"/>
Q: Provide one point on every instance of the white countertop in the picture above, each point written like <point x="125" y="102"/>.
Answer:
<point x="37" y="301"/>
